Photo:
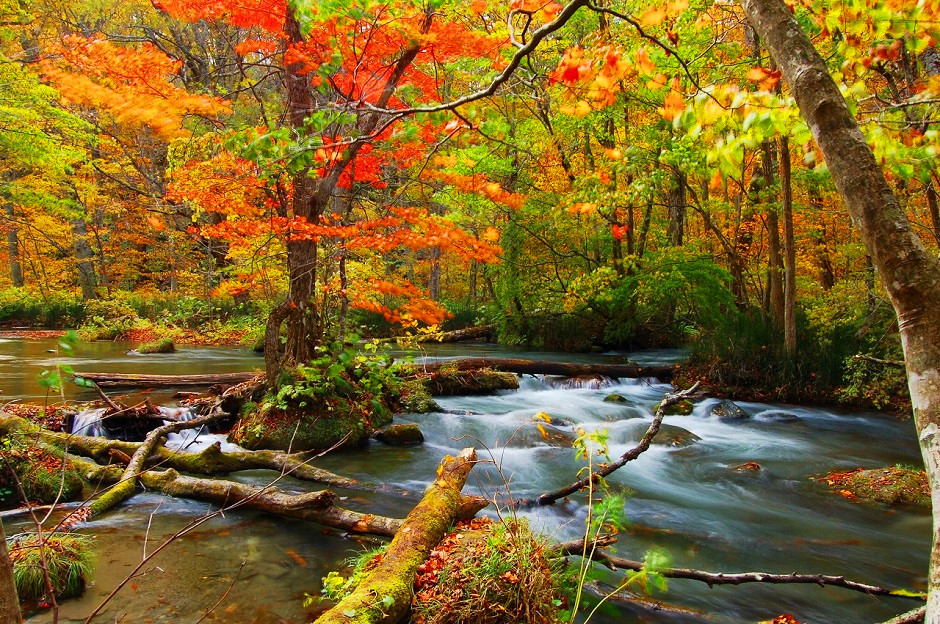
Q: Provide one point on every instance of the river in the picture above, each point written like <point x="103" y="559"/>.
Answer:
<point x="688" y="500"/>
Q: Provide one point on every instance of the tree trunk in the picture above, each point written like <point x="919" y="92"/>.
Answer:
<point x="83" y="259"/>
<point x="772" y="223"/>
<point x="934" y="210"/>
<point x="909" y="274"/>
<point x="677" y="205"/>
<point x="9" y="604"/>
<point x="538" y="367"/>
<point x="13" y="250"/>
<point x="789" y="248"/>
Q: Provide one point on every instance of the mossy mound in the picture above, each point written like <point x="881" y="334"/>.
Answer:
<point x="680" y="408"/>
<point x="400" y="435"/>
<point x="40" y="474"/>
<point x="163" y="345"/>
<point x="414" y="398"/>
<point x="890" y="486"/>
<point x="487" y="573"/>
<point x="615" y="398"/>
<point x="68" y="560"/>
<point x="342" y="422"/>
<point x="339" y="398"/>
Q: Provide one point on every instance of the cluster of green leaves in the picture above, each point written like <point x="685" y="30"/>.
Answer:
<point x="339" y="371"/>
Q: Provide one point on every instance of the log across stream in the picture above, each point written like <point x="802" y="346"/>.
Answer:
<point x="686" y="496"/>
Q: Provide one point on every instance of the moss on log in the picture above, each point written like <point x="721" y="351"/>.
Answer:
<point x="384" y="595"/>
<point x="452" y="382"/>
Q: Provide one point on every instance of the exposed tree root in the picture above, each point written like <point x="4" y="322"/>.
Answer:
<point x="384" y="595"/>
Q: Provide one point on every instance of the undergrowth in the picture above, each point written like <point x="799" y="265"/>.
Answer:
<point x="68" y="560"/>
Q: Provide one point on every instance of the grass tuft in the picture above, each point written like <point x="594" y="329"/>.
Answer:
<point x="69" y="559"/>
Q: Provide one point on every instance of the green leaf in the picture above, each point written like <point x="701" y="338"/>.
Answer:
<point x="349" y="613"/>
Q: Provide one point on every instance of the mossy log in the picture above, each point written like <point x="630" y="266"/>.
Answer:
<point x="127" y="485"/>
<point x="384" y="594"/>
<point x="211" y="461"/>
<point x="538" y="367"/>
<point x="458" y="335"/>
<point x="126" y="380"/>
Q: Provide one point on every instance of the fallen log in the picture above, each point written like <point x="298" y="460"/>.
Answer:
<point x="384" y="594"/>
<point x="127" y="380"/>
<point x="127" y="484"/>
<point x="458" y="335"/>
<point x="542" y="367"/>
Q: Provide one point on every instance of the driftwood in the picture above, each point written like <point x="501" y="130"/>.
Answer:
<point x="458" y="335"/>
<point x="540" y="367"/>
<point x="739" y="578"/>
<point x="911" y="617"/>
<point x="125" y="380"/>
<point x="384" y="594"/>
<point x="549" y="498"/>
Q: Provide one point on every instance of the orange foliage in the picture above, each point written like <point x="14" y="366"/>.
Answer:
<point x="132" y="84"/>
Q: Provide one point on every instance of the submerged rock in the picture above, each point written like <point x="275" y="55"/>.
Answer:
<point x="778" y="416"/>
<point x="540" y="434"/>
<point x="728" y="411"/>
<point x="682" y="408"/>
<point x="751" y="467"/>
<point x="671" y="435"/>
<point x="400" y="435"/>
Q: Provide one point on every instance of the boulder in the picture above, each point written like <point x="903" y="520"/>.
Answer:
<point x="728" y="411"/>
<point x="400" y="435"/>
<point x="615" y="398"/>
<point x="681" y="408"/>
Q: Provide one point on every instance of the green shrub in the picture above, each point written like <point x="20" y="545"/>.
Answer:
<point x="68" y="560"/>
<point x="21" y="307"/>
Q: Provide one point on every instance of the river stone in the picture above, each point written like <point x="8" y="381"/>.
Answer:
<point x="615" y="398"/>
<point x="781" y="417"/>
<point x="728" y="411"/>
<point x="534" y="434"/>
<point x="671" y="435"/>
<point x="751" y="467"/>
<point x="400" y="435"/>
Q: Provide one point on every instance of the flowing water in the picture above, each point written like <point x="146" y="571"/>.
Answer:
<point x="684" y="495"/>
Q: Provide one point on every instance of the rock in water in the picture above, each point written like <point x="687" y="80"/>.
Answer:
<point x="615" y="398"/>
<point x="728" y="411"/>
<point x="400" y="435"/>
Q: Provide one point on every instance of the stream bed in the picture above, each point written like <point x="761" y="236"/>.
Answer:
<point x="685" y="495"/>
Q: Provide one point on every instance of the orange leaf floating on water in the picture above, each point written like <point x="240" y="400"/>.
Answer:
<point x="296" y="557"/>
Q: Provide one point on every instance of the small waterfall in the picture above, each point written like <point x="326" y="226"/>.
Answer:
<point x="89" y="423"/>
<point x="177" y="414"/>
<point x="590" y="382"/>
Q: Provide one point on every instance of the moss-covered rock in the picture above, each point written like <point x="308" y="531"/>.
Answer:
<point x="896" y="485"/>
<point x="400" y="435"/>
<point x="163" y="345"/>
<point x="681" y="408"/>
<point x="449" y="382"/>
<point x="615" y="398"/>
<point x="343" y="422"/>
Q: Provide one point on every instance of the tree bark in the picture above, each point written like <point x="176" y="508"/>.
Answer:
<point x="421" y="531"/>
<point x="83" y="259"/>
<point x="13" y="250"/>
<point x="468" y="333"/>
<point x="9" y="603"/>
<point x="909" y="274"/>
<point x="789" y="248"/>
<point x="934" y="210"/>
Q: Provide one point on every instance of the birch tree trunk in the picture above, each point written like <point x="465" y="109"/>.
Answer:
<point x="910" y="275"/>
